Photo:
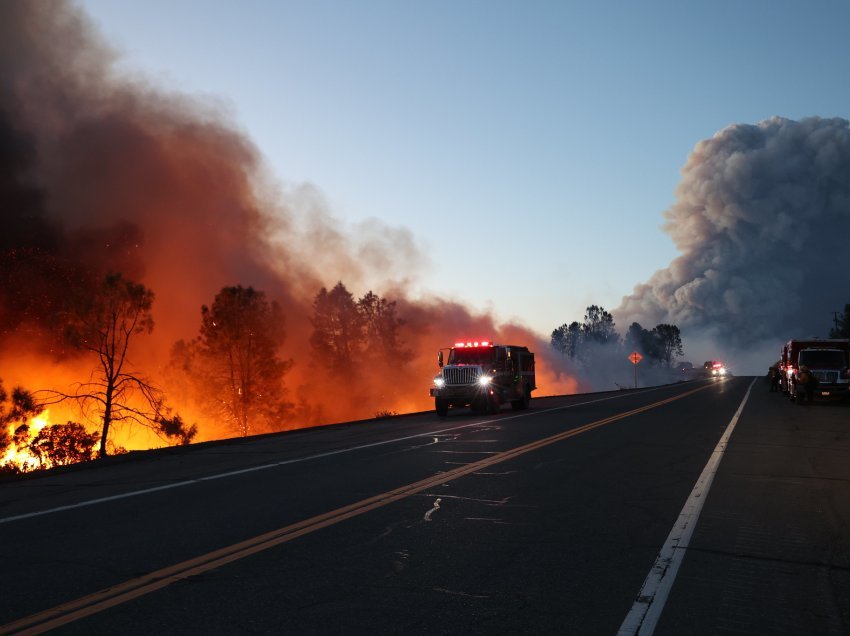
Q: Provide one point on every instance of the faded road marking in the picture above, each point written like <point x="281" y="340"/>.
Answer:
<point x="436" y="507"/>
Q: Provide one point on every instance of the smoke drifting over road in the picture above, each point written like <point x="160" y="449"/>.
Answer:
<point x="100" y="172"/>
<point x="762" y="219"/>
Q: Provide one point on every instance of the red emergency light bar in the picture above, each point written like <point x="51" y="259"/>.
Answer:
<point x="717" y="365"/>
<point x="483" y="343"/>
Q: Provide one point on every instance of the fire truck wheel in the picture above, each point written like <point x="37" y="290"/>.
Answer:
<point x="522" y="403"/>
<point x="442" y="407"/>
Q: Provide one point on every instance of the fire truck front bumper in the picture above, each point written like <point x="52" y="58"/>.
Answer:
<point x="833" y="391"/>
<point x="458" y="394"/>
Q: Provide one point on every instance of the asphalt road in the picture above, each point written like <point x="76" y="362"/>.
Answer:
<point x="545" y="521"/>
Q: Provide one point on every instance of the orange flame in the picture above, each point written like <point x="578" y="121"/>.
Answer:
<point x="19" y="455"/>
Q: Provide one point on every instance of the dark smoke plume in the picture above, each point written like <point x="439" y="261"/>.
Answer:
<point x="762" y="219"/>
<point x="101" y="172"/>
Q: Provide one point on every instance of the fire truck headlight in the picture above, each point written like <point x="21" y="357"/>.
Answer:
<point x="439" y="382"/>
<point x="484" y="380"/>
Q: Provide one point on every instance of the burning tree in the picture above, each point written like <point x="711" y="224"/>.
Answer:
<point x="365" y="332"/>
<point x="345" y="328"/>
<point x="63" y="444"/>
<point x="15" y="410"/>
<point x="103" y="324"/>
<point x="234" y="366"/>
<point x="338" y="328"/>
<point x="381" y="325"/>
<point x="175" y="428"/>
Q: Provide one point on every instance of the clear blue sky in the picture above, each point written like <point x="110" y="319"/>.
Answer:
<point x="537" y="142"/>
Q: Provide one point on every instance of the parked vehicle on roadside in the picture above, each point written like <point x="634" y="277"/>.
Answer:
<point x="828" y="360"/>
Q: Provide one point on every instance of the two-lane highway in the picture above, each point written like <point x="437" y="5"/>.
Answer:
<point x="541" y="521"/>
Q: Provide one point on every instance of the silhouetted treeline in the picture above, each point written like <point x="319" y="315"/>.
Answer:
<point x="582" y="341"/>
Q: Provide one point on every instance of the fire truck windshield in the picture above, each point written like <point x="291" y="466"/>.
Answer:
<point x="472" y="355"/>
<point x="823" y="358"/>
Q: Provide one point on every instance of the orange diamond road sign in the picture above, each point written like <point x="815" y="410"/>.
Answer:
<point x="635" y="357"/>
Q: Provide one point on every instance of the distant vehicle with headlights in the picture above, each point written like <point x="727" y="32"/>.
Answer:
<point x="714" y="368"/>
<point x="483" y="375"/>
<point x="827" y="359"/>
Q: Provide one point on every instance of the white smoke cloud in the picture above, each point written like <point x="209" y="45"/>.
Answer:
<point x="762" y="221"/>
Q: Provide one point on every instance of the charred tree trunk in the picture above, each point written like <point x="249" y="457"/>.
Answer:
<point x="107" y="419"/>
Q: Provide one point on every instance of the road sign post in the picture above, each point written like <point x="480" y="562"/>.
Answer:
<point x="635" y="357"/>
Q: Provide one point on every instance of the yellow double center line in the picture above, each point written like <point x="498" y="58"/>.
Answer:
<point x="123" y="592"/>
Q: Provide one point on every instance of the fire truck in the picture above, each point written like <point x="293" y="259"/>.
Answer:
<point x="483" y="375"/>
<point x="827" y="359"/>
<point x="714" y="368"/>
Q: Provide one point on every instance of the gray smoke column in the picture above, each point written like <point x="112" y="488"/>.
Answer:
<point x="762" y="221"/>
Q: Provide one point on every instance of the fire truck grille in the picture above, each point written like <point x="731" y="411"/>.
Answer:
<point x="827" y="377"/>
<point x="455" y="376"/>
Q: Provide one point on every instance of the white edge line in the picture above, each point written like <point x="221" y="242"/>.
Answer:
<point x="233" y="473"/>
<point x="646" y="610"/>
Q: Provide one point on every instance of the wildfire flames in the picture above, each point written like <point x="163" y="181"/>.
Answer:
<point x="99" y="174"/>
<point x="17" y="454"/>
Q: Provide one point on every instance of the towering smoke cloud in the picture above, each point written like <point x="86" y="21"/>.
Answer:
<point x="761" y="217"/>
<point x="101" y="172"/>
